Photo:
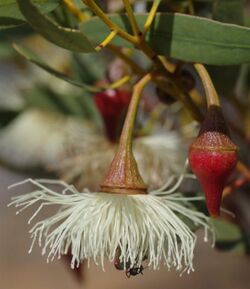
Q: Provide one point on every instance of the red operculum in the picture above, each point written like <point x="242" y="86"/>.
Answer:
<point x="212" y="157"/>
<point x="212" y="166"/>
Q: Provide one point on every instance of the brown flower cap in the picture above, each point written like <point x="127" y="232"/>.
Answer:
<point x="123" y="176"/>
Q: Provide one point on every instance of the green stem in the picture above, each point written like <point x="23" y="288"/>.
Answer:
<point x="98" y="11"/>
<point x="140" y="43"/>
<point x="151" y="16"/>
<point x="211" y="94"/>
<point x="131" y="17"/>
<point x="127" y="131"/>
<point x="70" y="5"/>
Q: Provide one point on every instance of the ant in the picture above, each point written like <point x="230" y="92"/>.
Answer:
<point x="134" y="271"/>
<point x="129" y="271"/>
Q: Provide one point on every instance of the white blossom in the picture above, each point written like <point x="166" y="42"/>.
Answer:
<point x="93" y="225"/>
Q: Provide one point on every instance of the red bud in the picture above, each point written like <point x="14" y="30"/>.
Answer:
<point x="212" y="157"/>
<point x="112" y="105"/>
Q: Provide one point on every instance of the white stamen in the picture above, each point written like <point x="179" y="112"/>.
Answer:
<point x="94" y="225"/>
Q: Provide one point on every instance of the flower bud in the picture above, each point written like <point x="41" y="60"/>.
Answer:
<point x="212" y="157"/>
<point x="113" y="105"/>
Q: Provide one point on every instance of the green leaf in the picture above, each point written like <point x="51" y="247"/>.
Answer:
<point x="11" y="16"/>
<point x="235" y="246"/>
<point x="183" y="37"/>
<point x="50" y="100"/>
<point x="30" y="56"/>
<point x="82" y="106"/>
<point x="70" y="39"/>
<point x="9" y="8"/>
<point x="231" y="237"/>
<point x="44" y="98"/>
<point x="230" y="11"/>
<point x="226" y="231"/>
<point x="89" y="68"/>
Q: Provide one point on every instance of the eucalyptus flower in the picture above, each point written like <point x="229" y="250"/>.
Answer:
<point x="94" y="224"/>
<point x="123" y="222"/>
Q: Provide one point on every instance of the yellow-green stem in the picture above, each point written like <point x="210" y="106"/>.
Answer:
<point x="140" y="38"/>
<point x="211" y="94"/>
<point x="140" y="43"/>
<point x="107" y="40"/>
<point x="98" y="11"/>
<point x="120" y="82"/>
<point x="151" y="16"/>
<point x="70" y="5"/>
<point x="131" y="17"/>
<point x="127" y="131"/>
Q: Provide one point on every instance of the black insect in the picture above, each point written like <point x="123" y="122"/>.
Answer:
<point x="134" y="271"/>
<point x="130" y="271"/>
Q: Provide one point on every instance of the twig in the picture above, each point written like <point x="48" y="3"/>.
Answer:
<point x="211" y="94"/>
<point x="81" y="16"/>
<point x="131" y="17"/>
<point x="107" y="40"/>
<point x="140" y="43"/>
<point x="127" y="131"/>
<point x="151" y="16"/>
<point x="98" y="11"/>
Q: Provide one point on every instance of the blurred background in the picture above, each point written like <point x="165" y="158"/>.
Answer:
<point x="53" y="129"/>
